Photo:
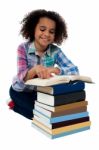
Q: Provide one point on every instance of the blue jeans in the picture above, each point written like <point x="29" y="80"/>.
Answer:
<point x="24" y="102"/>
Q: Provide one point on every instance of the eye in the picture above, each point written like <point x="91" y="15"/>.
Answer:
<point x="42" y="28"/>
<point x="52" y="31"/>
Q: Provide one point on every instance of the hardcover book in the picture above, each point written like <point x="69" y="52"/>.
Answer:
<point x="62" y="88"/>
<point x="61" y="99"/>
<point x="61" y="129"/>
<point x="61" y="124"/>
<point x="60" y="113"/>
<point x="62" y="107"/>
<point x="65" y="133"/>
<point x="58" y="79"/>
<point x="60" y="118"/>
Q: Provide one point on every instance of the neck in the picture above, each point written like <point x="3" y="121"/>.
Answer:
<point x="40" y="48"/>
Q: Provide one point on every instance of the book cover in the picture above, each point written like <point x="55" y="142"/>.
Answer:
<point x="61" y="124"/>
<point x="62" y="107"/>
<point x="61" y="134"/>
<point x="60" y="113"/>
<point x="60" y="118"/>
<point x="61" y="99"/>
<point x="61" y="129"/>
<point x="58" y="79"/>
<point x="62" y="88"/>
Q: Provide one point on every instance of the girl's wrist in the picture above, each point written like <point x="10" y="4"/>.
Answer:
<point x="30" y="74"/>
<point x="57" y="70"/>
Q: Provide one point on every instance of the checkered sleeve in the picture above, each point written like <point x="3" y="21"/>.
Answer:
<point x="66" y="66"/>
<point x="22" y="67"/>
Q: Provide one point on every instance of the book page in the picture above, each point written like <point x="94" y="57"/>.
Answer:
<point x="47" y="82"/>
<point x="57" y="79"/>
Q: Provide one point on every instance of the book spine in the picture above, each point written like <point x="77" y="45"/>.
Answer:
<point x="69" y="98"/>
<point x="68" y="87"/>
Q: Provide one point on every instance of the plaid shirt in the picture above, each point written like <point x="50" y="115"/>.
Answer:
<point x="28" y="58"/>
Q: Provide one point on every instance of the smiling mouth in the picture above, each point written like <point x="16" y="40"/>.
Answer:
<point x="44" y="39"/>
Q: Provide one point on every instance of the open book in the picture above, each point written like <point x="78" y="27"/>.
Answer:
<point x="58" y="79"/>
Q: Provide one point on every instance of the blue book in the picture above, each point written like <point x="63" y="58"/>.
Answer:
<point x="61" y="134"/>
<point x="62" y="88"/>
<point x="60" y="118"/>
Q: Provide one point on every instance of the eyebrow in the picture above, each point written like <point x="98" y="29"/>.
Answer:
<point x="45" y="27"/>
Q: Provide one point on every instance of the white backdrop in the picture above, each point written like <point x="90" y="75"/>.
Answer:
<point x="81" y="47"/>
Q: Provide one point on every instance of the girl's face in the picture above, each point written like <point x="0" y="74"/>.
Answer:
<point x="44" y="32"/>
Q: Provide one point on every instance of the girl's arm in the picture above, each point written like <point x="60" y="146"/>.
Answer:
<point x="66" y="66"/>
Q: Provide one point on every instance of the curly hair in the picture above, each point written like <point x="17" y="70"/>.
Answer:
<point x="30" y="21"/>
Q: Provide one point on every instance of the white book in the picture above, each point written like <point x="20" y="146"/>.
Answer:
<point x="50" y="108"/>
<point x="42" y="110"/>
<point x="41" y="120"/>
<point x="57" y="79"/>
<point x="47" y="120"/>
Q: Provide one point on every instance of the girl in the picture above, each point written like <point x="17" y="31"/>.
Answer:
<point x="37" y="57"/>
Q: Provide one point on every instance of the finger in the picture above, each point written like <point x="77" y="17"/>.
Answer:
<point x="42" y="74"/>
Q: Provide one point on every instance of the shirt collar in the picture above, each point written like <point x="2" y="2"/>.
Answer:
<point x="32" y="49"/>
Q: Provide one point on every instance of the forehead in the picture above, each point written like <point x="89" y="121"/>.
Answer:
<point x="44" y="21"/>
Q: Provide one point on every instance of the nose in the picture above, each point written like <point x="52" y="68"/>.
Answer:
<point x="46" y="33"/>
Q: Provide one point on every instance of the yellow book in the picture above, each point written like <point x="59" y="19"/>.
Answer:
<point x="61" y="129"/>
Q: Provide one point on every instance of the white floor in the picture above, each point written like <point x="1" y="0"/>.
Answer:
<point x="82" y="48"/>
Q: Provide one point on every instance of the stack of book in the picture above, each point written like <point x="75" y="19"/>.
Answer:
<point x="61" y="107"/>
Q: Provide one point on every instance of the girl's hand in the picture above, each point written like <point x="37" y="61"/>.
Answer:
<point x="44" y="72"/>
<point x="41" y="72"/>
<point x="54" y="70"/>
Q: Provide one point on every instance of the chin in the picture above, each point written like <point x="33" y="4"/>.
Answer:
<point x="44" y="45"/>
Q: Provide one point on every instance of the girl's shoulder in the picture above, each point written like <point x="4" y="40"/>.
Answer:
<point x="23" y="46"/>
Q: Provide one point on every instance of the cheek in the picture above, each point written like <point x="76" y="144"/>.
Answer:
<point x="36" y="33"/>
<point x="53" y="37"/>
